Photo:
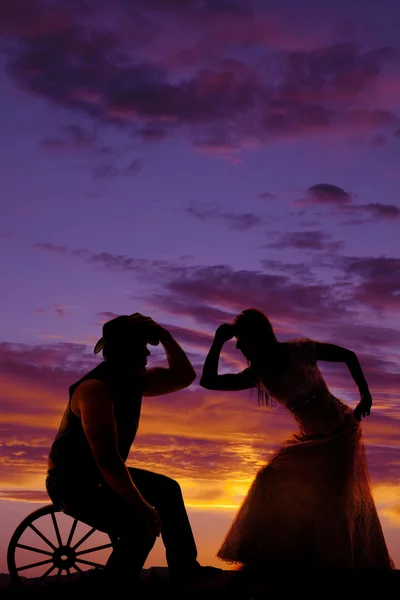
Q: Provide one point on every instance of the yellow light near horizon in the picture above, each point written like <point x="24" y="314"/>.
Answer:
<point x="49" y="421"/>
<point x="229" y="498"/>
<point x="212" y="507"/>
<point x="385" y="494"/>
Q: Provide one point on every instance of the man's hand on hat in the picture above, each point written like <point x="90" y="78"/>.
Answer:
<point x="157" y="333"/>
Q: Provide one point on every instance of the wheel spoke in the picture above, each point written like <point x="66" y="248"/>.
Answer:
<point x="89" y="562"/>
<point x="32" y="549"/>
<point x="53" y="518"/>
<point x="44" y="538"/>
<point x="51" y="566"/>
<point x="85" y="537"/>
<point x="47" y="573"/>
<point x="71" y="533"/>
<point x="38" y="564"/>
<point x="95" y="549"/>
<point x="75" y="566"/>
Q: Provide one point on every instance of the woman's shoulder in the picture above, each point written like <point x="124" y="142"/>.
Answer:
<point x="303" y="345"/>
<point x="300" y="341"/>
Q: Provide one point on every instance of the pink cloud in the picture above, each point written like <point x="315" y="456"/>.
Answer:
<point x="27" y="19"/>
<point x="35" y="379"/>
<point x="386" y="92"/>
<point x="378" y="283"/>
<point x="338" y="74"/>
<point x="183" y="443"/>
<point x="75" y="137"/>
<point x="25" y="496"/>
<point x="369" y="119"/>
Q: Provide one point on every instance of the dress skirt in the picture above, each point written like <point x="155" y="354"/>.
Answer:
<point x="311" y="506"/>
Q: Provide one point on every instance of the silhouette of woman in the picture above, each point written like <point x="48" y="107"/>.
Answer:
<point x="311" y="506"/>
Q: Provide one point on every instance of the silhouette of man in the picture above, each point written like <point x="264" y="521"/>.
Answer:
<point x="87" y="475"/>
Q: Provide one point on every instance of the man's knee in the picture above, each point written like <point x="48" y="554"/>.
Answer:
<point x="157" y="482"/>
<point x="134" y="534"/>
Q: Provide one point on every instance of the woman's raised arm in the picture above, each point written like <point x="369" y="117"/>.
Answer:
<point x="229" y="382"/>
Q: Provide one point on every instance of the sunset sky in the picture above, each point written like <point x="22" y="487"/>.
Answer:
<point x="188" y="159"/>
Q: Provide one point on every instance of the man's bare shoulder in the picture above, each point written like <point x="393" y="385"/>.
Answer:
<point x="89" y="391"/>
<point x="91" y="386"/>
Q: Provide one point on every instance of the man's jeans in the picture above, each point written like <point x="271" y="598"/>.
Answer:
<point x="100" y="507"/>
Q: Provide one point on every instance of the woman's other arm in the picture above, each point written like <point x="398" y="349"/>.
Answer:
<point x="334" y="353"/>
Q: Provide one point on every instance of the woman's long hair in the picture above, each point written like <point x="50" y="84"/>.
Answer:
<point x="256" y="326"/>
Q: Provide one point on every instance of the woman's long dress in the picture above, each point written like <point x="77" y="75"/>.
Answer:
<point x="311" y="506"/>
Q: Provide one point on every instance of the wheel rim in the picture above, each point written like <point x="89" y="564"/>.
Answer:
<point x="59" y="552"/>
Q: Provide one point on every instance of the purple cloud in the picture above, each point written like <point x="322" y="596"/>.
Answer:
<point x="133" y="168"/>
<point x="382" y="211"/>
<point x="204" y="210"/>
<point x="152" y="134"/>
<point x="291" y="296"/>
<point x="59" y="311"/>
<point x="379" y="141"/>
<point x="267" y="196"/>
<point x="202" y="290"/>
<point x="212" y="210"/>
<point x="306" y="240"/>
<point x="223" y="104"/>
<point x="379" y="281"/>
<point x="75" y="137"/>
<point x="328" y="194"/>
<point x="108" y="171"/>
<point x="341" y="203"/>
<point x="297" y="270"/>
<point x="104" y="259"/>
<point x="242" y="222"/>
<point x="215" y="294"/>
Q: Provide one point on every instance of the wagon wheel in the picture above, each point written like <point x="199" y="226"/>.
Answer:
<point x="56" y="552"/>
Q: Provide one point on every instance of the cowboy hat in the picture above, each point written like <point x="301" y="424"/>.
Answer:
<point x="126" y="330"/>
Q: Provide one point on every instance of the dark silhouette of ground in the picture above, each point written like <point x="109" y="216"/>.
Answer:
<point x="232" y="585"/>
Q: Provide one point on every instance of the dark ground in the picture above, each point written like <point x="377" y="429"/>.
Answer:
<point x="229" y="584"/>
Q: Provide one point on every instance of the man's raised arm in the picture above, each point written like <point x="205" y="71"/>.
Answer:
<point x="178" y="375"/>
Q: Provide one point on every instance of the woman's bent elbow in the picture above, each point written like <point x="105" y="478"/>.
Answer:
<point x="351" y="357"/>
<point x="204" y="383"/>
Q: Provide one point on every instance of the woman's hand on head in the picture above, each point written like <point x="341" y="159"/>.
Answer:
<point x="224" y="333"/>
